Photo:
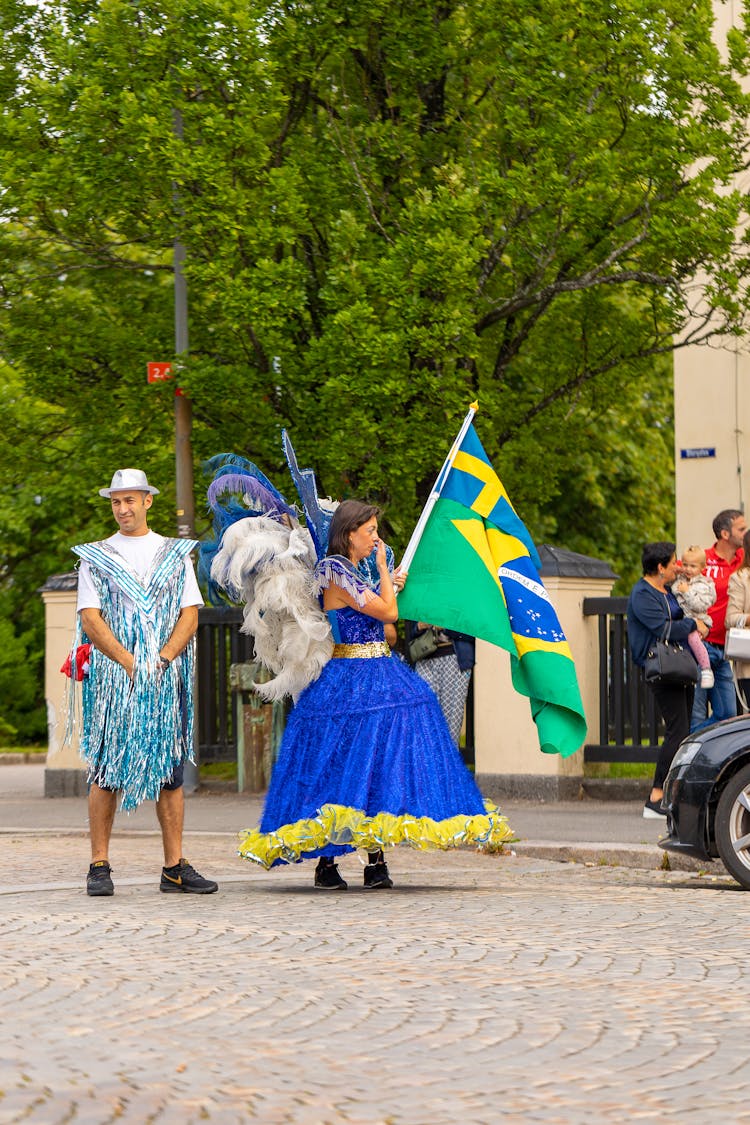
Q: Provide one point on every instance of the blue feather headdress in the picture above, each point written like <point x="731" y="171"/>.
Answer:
<point x="238" y="491"/>
<point x="234" y="476"/>
<point x="317" y="516"/>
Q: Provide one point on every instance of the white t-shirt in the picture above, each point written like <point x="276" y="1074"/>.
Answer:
<point x="139" y="551"/>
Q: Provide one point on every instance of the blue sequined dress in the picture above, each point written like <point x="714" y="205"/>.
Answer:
<point x="367" y="761"/>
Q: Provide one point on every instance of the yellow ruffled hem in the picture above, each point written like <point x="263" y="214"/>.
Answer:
<point x="337" y="824"/>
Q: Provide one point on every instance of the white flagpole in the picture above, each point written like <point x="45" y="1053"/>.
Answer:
<point x="432" y="499"/>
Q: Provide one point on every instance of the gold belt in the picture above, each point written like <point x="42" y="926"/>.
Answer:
<point x="372" y="648"/>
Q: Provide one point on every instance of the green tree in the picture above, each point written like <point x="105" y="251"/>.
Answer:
<point x="388" y="212"/>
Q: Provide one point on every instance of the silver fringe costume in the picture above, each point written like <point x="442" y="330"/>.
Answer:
<point x="135" y="732"/>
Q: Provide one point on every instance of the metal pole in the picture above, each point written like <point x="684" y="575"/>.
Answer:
<point x="183" y="411"/>
<point x="183" y="424"/>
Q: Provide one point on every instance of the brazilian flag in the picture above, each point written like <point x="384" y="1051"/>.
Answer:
<point x="476" y="570"/>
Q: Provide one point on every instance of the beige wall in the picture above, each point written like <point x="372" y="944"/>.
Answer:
<point x="505" y="735"/>
<point x="712" y="407"/>
<point x="712" y="410"/>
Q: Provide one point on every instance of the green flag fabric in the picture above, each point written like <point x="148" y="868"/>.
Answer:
<point x="475" y="570"/>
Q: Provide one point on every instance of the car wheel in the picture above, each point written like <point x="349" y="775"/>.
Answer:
<point x="732" y="827"/>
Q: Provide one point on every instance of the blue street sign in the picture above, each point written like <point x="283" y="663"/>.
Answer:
<point x="699" y="451"/>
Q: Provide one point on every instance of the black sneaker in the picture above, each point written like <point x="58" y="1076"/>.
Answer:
<point x="184" y="879"/>
<point x="99" y="879"/>
<point x="652" y="810"/>
<point x="327" y="877"/>
<point x="377" y="877"/>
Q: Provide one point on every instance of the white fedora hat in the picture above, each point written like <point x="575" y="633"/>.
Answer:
<point x="126" y="480"/>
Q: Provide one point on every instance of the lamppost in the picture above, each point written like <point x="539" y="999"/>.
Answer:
<point x="183" y="424"/>
<point x="183" y="411"/>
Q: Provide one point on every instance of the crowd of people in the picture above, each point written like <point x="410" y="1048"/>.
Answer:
<point x="693" y="601"/>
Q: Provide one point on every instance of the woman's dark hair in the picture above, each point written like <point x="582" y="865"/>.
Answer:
<point x="746" y="549"/>
<point x="349" y="515"/>
<point x="655" y="555"/>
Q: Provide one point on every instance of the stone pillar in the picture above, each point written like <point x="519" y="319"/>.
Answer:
<point x="65" y="775"/>
<point x="509" y="762"/>
<point x="254" y="725"/>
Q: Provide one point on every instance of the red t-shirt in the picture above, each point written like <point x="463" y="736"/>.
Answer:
<point x="720" y="571"/>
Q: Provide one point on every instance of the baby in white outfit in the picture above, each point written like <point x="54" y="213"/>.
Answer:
<point x="696" y="593"/>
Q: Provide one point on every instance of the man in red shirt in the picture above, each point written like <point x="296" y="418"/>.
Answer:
<point x="721" y="562"/>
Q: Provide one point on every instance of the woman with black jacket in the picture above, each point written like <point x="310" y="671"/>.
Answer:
<point x="651" y="608"/>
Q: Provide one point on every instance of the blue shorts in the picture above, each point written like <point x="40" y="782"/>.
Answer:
<point x="175" y="782"/>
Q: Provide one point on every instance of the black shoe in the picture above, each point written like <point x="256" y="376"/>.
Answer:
<point x="327" y="877"/>
<point x="377" y="877"/>
<point x="652" y="810"/>
<point x="99" y="879"/>
<point x="184" y="879"/>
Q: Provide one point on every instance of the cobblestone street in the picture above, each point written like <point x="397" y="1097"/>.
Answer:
<point x="481" y="989"/>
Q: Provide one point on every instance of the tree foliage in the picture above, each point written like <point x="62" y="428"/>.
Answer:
<point x="388" y="211"/>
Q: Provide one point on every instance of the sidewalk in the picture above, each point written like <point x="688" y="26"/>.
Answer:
<point x="589" y="831"/>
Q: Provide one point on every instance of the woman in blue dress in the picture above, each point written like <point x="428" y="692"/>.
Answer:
<point x="367" y="760"/>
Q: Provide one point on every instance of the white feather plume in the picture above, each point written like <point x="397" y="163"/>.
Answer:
<point x="269" y="567"/>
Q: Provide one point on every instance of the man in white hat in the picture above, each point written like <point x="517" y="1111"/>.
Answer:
<point x="138" y="602"/>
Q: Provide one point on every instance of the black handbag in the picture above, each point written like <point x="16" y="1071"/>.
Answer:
<point x="669" y="662"/>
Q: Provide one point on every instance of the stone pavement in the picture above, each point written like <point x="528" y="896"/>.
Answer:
<point x="483" y="988"/>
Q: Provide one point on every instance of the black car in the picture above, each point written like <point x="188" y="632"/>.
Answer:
<point x="707" y="797"/>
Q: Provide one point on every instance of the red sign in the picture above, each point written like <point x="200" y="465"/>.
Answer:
<point x="158" y="372"/>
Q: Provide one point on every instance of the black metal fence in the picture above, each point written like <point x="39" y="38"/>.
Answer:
<point x="219" y="644"/>
<point x="630" y="726"/>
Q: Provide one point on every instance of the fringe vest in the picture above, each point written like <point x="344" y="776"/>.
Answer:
<point x="135" y="732"/>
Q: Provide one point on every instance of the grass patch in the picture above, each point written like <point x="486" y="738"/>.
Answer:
<point x="219" y="771"/>
<point x="618" y="769"/>
<point x="631" y="769"/>
<point x="33" y="749"/>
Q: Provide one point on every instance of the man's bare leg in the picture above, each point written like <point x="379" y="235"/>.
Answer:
<point x="102" y="806"/>
<point x="170" y="809"/>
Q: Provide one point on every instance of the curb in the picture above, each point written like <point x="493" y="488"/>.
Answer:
<point x="616" y="788"/>
<point x="22" y="758"/>
<point x="614" y="855"/>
